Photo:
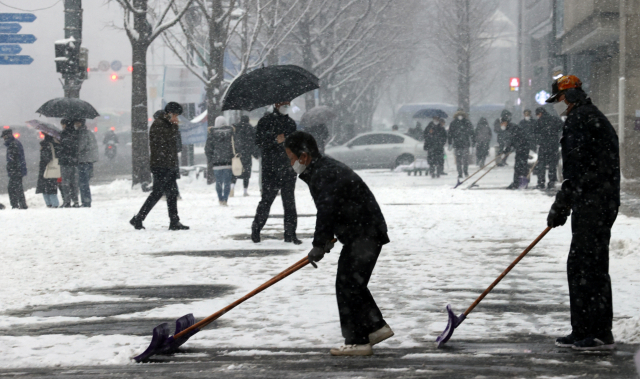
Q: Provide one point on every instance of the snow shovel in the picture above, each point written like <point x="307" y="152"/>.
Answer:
<point x="524" y="182"/>
<point x="469" y="177"/>
<point x="455" y="321"/>
<point x="489" y="170"/>
<point x="163" y="343"/>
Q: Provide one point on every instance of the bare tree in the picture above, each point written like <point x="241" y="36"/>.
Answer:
<point x="463" y="34"/>
<point x="141" y="32"/>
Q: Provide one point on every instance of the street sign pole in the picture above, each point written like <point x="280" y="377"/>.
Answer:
<point x="73" y="28"/>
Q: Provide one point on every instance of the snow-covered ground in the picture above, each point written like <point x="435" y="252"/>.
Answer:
<point x="447" y="247"/>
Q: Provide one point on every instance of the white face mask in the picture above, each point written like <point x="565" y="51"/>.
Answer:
<point x="299" y="167"/>
<point x="460" y="117"/>
<point x="503" y="127"/>
<point x="561" y="108"/>
<point x="284" y="109"/>
<point x="527" y="118"/>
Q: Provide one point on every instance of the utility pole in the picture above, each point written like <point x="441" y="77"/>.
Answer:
<point x="622" y="84"/>
<point x="71" y="59"/>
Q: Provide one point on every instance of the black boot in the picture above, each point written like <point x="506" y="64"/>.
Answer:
<point x="136" y="222"/>
<point x="255" y="234"/>
<point x="177" y="226"/>
<point x="293" y="239"/>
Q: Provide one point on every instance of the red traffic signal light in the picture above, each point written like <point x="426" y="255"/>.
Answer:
<point x="114" y="77"/>
<point x="130" y="68"/>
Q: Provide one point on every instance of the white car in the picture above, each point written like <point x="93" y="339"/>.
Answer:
<point x="378" y="149"/>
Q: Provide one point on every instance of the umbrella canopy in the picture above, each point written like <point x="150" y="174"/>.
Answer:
<point x="318" y="115"/>
<point x="66" y="107"/>
<point x="45" y="128"/>
<point x="430" y="113"/>
<point x="268" y="86"/>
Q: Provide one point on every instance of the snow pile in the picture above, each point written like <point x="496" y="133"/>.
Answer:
<point x="623" y="248"/>
<point x="627" y="330"/>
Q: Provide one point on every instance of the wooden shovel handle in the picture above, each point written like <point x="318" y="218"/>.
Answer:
<point x="482" y="168"/>
<point x="505" y="272"/>
<point x="488" y="171"/>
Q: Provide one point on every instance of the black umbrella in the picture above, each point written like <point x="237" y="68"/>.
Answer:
<point x="430" y="113"/>
<point x="65" y="107"/>
<point x="267" y="86"/>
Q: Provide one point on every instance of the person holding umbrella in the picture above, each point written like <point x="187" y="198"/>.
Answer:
<point x="347" y="210"/>
<point x="277" y="174"/>
<point x="16" y="169"/>
<point x="69" y="163"/>
<point x="163" y="146"/>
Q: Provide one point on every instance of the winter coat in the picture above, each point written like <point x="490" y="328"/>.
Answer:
<point x="483" y="135"/>
<point x="16" y="164"/>
<point x="87" y="146"/>
<point x="461" y="134"/>
<point x="163" y="144"/>
<point x="68" y="147"/>
<point x="547" y="131"/>
<point x="530" y="127"/>
<point x="321" y="135"/>
<point x="345" y="206"/>
<point x="218" y="147"/>
<point x="590" y="158"/>
<point x="435" y="137"/>
<point x="275" y="162"/>
<point x="47" y="186"/>
<point x="245" y="141"/>
<point x="517" y="137"/>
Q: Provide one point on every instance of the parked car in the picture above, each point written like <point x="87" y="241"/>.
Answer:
<point x="378" y="149"/>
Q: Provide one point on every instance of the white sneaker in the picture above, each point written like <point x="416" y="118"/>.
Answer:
<point x="380" y="335"/>
<point x="231" y="192"/>
<point x="223" y="203"/>
<point x="352" y="350"/>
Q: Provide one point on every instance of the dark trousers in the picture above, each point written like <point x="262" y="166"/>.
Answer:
<point x="85" y="172"/>
<point x="245" y="181"/>
<point x="164" y="183"/>
<point x="588" y="270"/>
<point x="16" y="193"/>
<point x="435" y="158"/>
<point x="547" y="159"/>
<point x="271" y="184"/>
<point x="462" y="161"/>
<point x="359" y="314"/>
<point x="521" y="167"/>
<point x="482" y="151"/>
<point x="69" y="184"/>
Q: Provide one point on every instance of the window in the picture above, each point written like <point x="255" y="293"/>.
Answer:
<point x="377" y="139"/>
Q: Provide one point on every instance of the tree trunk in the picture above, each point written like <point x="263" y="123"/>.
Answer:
<point x="139" y="129"/>
<point x="464" y="60"/>
<point x="217" y="36"/>
<point x="307" y="59"/>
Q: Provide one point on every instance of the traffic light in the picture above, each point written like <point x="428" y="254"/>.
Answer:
<point x="83" y="63"/>
<point x="114" y="77"/>
<point x="70" y="59"/>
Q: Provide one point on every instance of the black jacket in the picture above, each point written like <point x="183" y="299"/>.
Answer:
<point x="346" y="208"/>
<point x="274" y="157"/>
<point x="69" y="141"/>
<point x="461" y="134"/>
<point x="245" y="140"/>
<point x="47" y="186"/>
<point x="163" y="144"/>
<point x="517" y="137"/>
<point x="16" y="164"/>
<point x="218" y="148"/>
<point x="483" y="136"/>
<point x="435" y="137"/>
<point x="591" y="159"/>
<point x="548" y="131"/>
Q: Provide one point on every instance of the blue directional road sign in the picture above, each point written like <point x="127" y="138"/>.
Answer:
<point x="17" y="17"/>
<point x="10" y="27"/>
<point x="17" y="38"/>
<point x="10" y="49"/>
<point x="15" y="59"/>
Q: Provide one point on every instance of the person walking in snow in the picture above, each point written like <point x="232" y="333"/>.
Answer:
<point x="483" y="140"/>
<point x="219" y="151"/>
<point x="16" y="169"/>
<point x="435" y="137"/>
<point x="245" y="142"/>
<point x="348" y="211"/>
<point x="69" y="163"/>
<point x="590" y="193"/>
<point x="461" y="138"/>
<point x="547" y="136"/>
<point x="87" y="156"/>
<point x="48" y="187"/>
<point x="277" y="174"/>
<point x="163" y="146"/>
<point x="518" y="139"/>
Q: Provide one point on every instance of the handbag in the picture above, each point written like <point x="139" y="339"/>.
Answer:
<point x="236" y="163"/>
<point x="52" y="171"/>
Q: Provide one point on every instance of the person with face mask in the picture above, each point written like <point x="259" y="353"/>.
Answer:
<point x="590" y="193"/>
<point x="548" y="130"/>
<point x="277" y="174"/>
<point x="347" y="210"/>
<point x="461" y="137"/>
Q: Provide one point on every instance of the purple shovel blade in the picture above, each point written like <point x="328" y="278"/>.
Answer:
<point x="459" y="182"/>
<point x="453" y="323"/>
<point x="158" y="341"/>
<point x="524" y="182"/>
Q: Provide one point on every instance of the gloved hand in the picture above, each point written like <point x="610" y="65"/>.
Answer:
<point x="315" y="255"/>
<point x="557" y="215"/>
<point x="328" y="246"/>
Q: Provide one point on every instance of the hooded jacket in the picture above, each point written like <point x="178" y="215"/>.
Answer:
<point x="548" y="130"/>
<point x="483" y="134"/>
<point x="16" y="164"/>
<point x="163" y="143"/>
<point x="435" y="137"/>
<point x="218" y="148"/>
<point x="461" y="134"/>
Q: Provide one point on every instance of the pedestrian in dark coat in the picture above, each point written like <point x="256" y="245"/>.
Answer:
<point x="16" y="169"/>
<point x="591" y="194"/>
<point x="547" y="136"/>
<point x="415" y="133"/>
<point x="48" y="187"/>
<point x="87" y="156"/>
<point x="219" y="152"/>
<point x="483" y="140"/>
<point x="435" y="137"/>
<point x="277" y="174"/>
<point x="347" y="210"/>
<point x="245" y="141"/>
<point x="320" y="133"/>
<point x="518" y="139"/>
<point x="461" y="138"/>
<point x="69" y="163"/>
<point x="163" y="146"/>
